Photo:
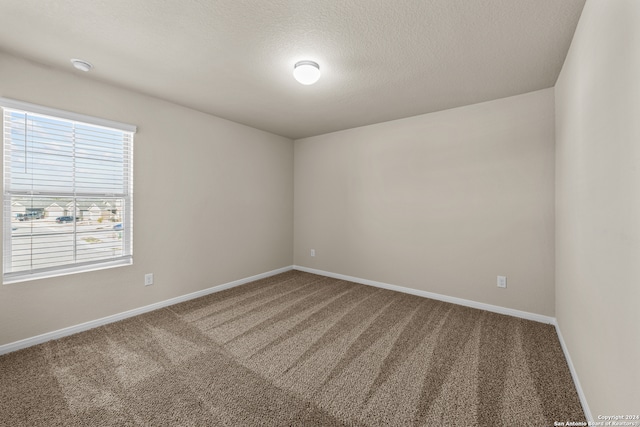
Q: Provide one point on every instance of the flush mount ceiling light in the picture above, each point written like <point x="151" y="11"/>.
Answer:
<point x="81" y="65"/>
<point x="306" y="72"/>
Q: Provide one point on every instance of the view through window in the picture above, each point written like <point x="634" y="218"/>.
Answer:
<point x="67" y="193"/>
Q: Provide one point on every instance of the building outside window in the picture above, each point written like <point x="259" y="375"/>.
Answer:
<point x="68" y="188"/>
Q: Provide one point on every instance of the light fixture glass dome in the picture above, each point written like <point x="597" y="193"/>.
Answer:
<point x="306" y="72"/>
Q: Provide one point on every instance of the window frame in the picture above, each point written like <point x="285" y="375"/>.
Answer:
<point x="127" y="196"/>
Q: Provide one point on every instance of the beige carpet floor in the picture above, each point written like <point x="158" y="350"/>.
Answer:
<point x="296" y="349"/>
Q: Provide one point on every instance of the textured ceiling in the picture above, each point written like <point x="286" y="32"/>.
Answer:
<point x="380" y="59"/>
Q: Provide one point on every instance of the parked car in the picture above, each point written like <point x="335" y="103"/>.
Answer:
<point x="118" y="227"/>
<point x="63" y="219"/>
<point x="29" y="216"/>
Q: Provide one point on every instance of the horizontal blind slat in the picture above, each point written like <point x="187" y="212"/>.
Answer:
<point x="68" y="195"/>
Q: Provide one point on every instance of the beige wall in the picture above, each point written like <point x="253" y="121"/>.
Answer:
<point x="442" y="202"/>
<point x="598" y="205"/>
<point x="213" y="202"/>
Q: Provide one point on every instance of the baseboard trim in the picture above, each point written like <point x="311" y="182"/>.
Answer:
<point x="473" y="304"/>
<point x="574" y="374"/>
<point x="60" y="333"/>
<point x="454" y="300"/>
<point x="39" y="339"/>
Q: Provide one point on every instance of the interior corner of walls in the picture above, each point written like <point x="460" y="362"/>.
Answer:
<point x="574" y="373"/>
<point x="254" y="204"/>
<point x="432" y="295"/>
<point x="596" y="200"/>
<point x="60" y="333"/>
<point x="365" y="195"/>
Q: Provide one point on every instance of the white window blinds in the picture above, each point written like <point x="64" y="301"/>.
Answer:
<point x="68" y="188"/>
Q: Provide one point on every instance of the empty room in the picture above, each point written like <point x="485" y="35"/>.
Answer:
<point x="320" y="213"/>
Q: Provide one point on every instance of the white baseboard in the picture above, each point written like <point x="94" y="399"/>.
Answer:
<point x="454" y="300"/>
<point x="574" y="374"/>
<point x="473" y="304"/>
<point x="39" y="339"/>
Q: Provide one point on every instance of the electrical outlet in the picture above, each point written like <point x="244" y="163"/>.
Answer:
<point x="313" y="252"/>
<point x="502" y="281"/>
<point x="148" y="279"/>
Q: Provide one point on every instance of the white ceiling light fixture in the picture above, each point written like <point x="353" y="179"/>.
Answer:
<point x="82" y="65"/>
<point x="306" y="72"/>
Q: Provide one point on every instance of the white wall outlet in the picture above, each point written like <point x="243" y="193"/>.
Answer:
<point x="313" y="252"/>
<point x="502" y="281"/>
<point x="148" y="279"/>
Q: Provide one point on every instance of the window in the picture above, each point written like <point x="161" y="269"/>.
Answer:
<point x="68" y="185"/>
